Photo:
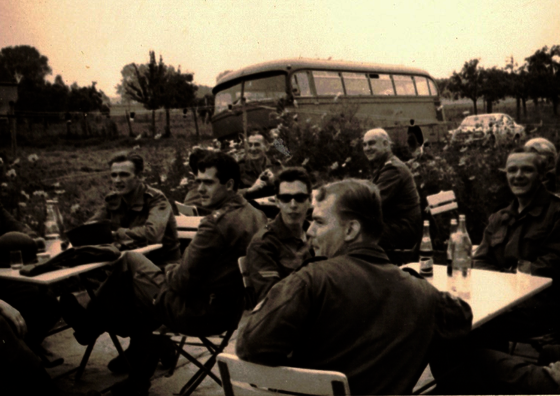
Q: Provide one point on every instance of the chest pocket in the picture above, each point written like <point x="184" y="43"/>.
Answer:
<point x="498" y="236"/>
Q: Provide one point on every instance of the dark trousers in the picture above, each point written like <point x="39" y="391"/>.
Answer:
<point x="21" y="371"/>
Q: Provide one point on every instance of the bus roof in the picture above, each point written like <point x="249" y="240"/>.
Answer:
<point x="287" y="65"/>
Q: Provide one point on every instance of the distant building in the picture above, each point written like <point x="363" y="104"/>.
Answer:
<point x="8" y="93"/>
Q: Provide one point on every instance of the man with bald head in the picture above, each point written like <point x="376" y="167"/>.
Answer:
<point x="400" y="200"/>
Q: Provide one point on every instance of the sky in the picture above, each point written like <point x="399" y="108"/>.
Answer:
<point x="87" y="40"/>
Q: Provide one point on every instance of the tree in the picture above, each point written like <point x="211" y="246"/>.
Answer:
<point x="443" y="86"/>
<point x="494" y="86"/>
<point x="518" y="85"/>
<point x="23" y="63"/>
<point x="467" y="83"/>
<point x="147" y="87"/>
<point x="179" y="93"/>
<point x="544" y="75"/>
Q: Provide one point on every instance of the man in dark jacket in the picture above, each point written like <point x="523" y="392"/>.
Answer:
<point x="400" y="200"/>
<point x="525" y="236"/>
<point x="202" y="295"/>
<point x="352" y="310"/>
<point x="139" y="214"/>
<point x="281" y="246"/>
<point x="257" y="170"/>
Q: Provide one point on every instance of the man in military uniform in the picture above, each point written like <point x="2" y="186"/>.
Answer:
<point x="281" y="246"/>
<point x="257" y="170"/>
<point x="139" y="214"/>
<point x="349" y="309"/>
<point x="202" y="295"/>
<point x="400" y="200"/>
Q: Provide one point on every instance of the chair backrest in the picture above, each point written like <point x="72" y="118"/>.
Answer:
<point x="250" y="296"/>
<point x="274" y="379"/>
<point x="441" y="202"/>
<point x="186" y="210"/>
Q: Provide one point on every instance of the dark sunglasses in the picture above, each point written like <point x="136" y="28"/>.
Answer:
<point x="287" y="198"/>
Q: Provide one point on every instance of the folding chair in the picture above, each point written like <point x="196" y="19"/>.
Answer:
<point x="214" y="345"/>
<point x="186" y="210"/>
<point x="250" y="297"/>
<point x="286" y="380"/>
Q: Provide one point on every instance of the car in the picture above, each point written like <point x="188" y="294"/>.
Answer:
<point x="491" y="128"/>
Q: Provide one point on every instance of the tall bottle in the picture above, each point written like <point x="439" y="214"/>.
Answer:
<point x="462" y="260"/>
<point x="426" y="251"/>
<point x="53" y="225"/>
<point x="452" y="230"/>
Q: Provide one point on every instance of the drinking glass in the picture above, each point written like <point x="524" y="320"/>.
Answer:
<point x="16" y="262"/>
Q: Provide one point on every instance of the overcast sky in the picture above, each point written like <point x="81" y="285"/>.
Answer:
<point x="91" y="40"/>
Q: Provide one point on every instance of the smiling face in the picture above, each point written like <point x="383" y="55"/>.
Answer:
<point x="124" y="177"/>
<point x="327" y="231"/>
<point x="376" y="144"/>
<point x="212" y="192"/>
<point x="257" y="147"/>
<point x="522" y="174"/>
<point x="292" y="211"/>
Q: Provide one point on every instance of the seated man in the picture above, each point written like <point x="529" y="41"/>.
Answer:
<point x="349" y="309"/>
<point x="526" y="232"/>
<point x="257" y="170"/>
<point x="203" y="295"/>
<point x="548" y="152"/>
<point x="399" y="198"/>
<point x="193" y="197"/>
<point x="280" y="247"/>
<point x="139" y="213"/>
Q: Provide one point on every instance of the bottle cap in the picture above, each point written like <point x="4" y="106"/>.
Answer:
<point x="426" y="222"/>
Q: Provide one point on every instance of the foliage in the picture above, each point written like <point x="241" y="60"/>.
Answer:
<point x="544" y="75"/>
<point x="467" y="83"/>
<point x="23" y="63"/>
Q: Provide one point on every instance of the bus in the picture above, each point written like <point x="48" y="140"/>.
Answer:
<point x="388" y="96"/>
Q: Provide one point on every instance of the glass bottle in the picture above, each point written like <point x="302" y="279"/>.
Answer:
<point x="53" y="225"/>
<point x="426" y="252"/>
<point x="462" y="261"/>
<point x="452" y="230"/>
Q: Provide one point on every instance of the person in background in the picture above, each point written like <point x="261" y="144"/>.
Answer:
<point x="280" y="247"/>
<point x="400" y="200"/>
<point x="139" y="214"/>
<point x="414" y="139"/>
<point x="202" y="295"/>
<point x="193" y="196"/>
<point x="257" y="169"/>
<point x="349" y="309"/>
<point x="548" y="152"/>
<point x="525" y="236"/>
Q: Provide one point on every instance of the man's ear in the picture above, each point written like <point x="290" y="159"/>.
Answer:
<point x="229" y="184"/>
<point x="353" y="229"/>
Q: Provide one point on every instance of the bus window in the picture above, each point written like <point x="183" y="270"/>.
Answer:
<point x="300" y="84"/>
<point x="422" y="86"/>
<point x="327" y="83"/>
<point x="356" y="84"/>
<point x="268" y="88"/>
<point x="227" y="97"/>
<point x="404" y="85"/>
<point x="433" y="89"/>
<point x="381" y="84"/>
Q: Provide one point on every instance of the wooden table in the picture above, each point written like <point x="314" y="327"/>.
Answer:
<point x="58" y="275"/>
<point x="187" y="226"/>
<point x="492" y="292"/>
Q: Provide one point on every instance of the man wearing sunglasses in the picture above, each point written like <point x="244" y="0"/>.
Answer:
<point x="281" y="246"/>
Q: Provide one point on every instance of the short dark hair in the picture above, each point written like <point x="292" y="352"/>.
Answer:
<point x="131" y="156"/>
<point x="196" y="155"/>
<point x="226" y="167"/>
<point x="539" y="162"/>
<point x="357" y="200"/>
<point x="292" y="174"/>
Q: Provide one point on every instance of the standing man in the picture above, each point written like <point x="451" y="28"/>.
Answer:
<point x="257" y="170"/>
<point x="526" y="236"/>
<point x="351" y="310"/>
<point x="139" y="214"/>
<point x="399" y="198"/>
<point x="202" y="295"/>
<point x="281" y="246"/>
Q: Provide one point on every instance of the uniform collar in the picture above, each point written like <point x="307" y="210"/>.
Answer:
<point x="368" y="251"/>
<point x="540" y="200"/>
<point x="280" y="229"/>
<point x="137" y="200"/>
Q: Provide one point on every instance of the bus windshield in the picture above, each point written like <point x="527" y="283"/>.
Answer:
<point x="259" y="89"/>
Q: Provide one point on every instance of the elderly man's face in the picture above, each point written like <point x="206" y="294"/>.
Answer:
<point x="375" y="146"/>
<point x="124" y="177"/>
<point x="326" y="232"/>
<point x="257" y="147"/>
<point x="522" y="174"/>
